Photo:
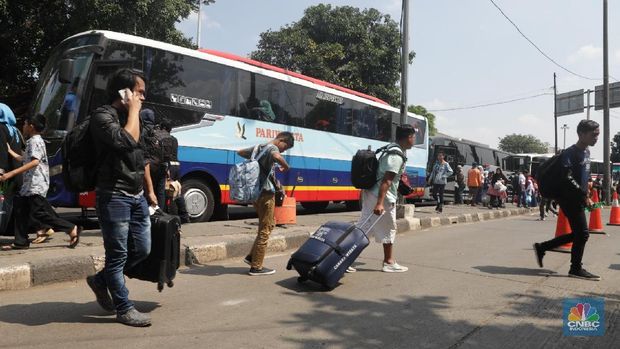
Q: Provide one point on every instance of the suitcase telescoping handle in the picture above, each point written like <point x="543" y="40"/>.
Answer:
<point x="373" y="224"/>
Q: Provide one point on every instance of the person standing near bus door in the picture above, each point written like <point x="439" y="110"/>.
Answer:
<point x="575" y="162"/>
<point x="266" y="202"/>
<point x="460" y="185"/>
<point x="440" y="173"/>
<point x="121" y="206"/>
<point x="473" y="182"/>
<point x="381" y="198"/>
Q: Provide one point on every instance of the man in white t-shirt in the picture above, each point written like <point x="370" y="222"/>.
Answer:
<point x="381" y="199"/>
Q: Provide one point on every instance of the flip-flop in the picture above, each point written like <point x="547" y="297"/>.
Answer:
<point x="14" y="247"/>
<point x="39" y="239"/>
<point x="75" y="240"/>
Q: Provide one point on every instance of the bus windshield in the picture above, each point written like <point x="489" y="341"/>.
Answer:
<point x="60" y="102"/>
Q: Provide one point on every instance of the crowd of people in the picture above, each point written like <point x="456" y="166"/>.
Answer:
<point x="140" y="169"/>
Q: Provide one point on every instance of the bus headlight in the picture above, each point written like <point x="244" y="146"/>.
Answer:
<point x="55" y="170"/>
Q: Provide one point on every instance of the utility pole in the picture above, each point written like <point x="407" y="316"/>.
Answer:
<point x="199" y="20"/>
<point x="589" y="105"/>
<point x="404" y="63"/>
<point x="564" y="127"/>
<point x="555" y="113"/>
<point x="606" y="155"/>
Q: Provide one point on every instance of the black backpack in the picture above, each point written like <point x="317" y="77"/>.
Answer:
<point x="79" y="166"/>
<point x="550" y="178"/>
<point x="158" y="145"/>
<point x="365" y="164"/>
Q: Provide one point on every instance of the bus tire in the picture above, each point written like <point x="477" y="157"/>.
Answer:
<point x="199" y="199"/>
<point x="315" y="206"/>
<point x="354" y="205"/>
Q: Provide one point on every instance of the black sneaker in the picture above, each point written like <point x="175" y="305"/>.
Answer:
<point x="248" y="260"/>
<point x="101" y="293"/>
<point x="583" y="274"/>
<point x="261" y="271"/>
<point x="539" y="254"/>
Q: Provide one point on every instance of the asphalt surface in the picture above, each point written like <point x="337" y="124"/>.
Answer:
<point x="468" y="286"/>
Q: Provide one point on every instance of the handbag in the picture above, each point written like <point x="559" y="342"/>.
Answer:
<point x="404" y="189"/>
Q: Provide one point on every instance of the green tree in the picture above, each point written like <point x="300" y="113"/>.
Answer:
<point x="430" y="117"/>
<point x="29" y="30"/>
<point x="517" y="143"/>
<point x="342" y="45"/>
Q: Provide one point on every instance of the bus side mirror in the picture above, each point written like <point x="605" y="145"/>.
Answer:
<point x="65" y="71"/>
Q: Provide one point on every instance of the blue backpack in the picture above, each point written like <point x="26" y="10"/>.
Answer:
<point x="244" y="179"/>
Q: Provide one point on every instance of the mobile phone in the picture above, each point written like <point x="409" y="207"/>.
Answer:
<point x="124" y="95"/>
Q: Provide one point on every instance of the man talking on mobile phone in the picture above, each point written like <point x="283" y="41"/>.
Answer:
<point x="121" y="205"/>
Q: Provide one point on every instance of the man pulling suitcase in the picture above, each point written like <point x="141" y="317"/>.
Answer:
<point x="381" y="198"/>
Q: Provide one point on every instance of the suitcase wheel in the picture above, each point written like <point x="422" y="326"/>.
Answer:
<point x="289" y="266"/>
<point x="170" y="283"/>
<point x="302" y="279"/>
<point x="160" y="286"/>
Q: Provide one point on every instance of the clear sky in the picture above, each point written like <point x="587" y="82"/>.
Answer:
<point x="467" y="54"/>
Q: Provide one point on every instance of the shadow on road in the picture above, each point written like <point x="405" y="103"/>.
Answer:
<point x="39" y="314"/>
<point x="532" y="320"/>
<point x="213" y="270"/>
<point x="493" y="269"/>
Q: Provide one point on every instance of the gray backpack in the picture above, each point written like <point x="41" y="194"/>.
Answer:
<point x="244" y="179"/>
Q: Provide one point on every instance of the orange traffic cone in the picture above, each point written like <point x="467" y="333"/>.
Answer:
<point x="596" y="223"/>
<point x="562" y="227"/>
<point x="614" y="218"/>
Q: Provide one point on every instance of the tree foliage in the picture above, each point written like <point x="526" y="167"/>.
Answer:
<point x="29" y="30"/>
<point x="358" y="49"/>
<point x="430" y="117"/>
<point x="517" y="143"/>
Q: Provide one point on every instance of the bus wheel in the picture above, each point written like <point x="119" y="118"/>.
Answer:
<point x="315" y="206"/>
<point x="353" y="205"/>
<point x="199" y="200"/>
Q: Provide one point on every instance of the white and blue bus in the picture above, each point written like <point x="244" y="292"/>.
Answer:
<point x="217" y="104"/>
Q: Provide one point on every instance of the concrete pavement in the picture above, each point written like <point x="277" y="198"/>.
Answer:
<point x="206" y="242"/>
<point x="468" y="286"/>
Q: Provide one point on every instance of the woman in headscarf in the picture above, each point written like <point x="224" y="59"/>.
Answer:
<point x="9" y="134"/>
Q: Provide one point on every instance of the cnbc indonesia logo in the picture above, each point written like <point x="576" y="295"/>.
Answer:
<point x="583" y="317"/>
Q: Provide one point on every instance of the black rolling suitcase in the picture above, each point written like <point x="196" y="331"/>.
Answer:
<point x="162" y="264"/>
<point x="327" y="254"/>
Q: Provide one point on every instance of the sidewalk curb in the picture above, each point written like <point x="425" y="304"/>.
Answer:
<point x="26" y="275"/>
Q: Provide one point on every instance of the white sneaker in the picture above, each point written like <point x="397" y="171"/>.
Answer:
<point x="350" y="270"/>
<point x="394" y="268"/>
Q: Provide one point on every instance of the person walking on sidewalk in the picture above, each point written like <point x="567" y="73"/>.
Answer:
<point x="473" y="182"/>
<point x="31" y="204"/>
<point x="381" y="198"/>
<point x="460" y="185"/>
<point x="440" y="173"/>
<point x="266" y="202"/>
<point x="575" y="162"/>
<point x="121" y="206"/>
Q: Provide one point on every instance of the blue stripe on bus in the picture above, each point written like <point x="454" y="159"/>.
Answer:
<point x="309" y="176"/>
<point x="216" y="156"/>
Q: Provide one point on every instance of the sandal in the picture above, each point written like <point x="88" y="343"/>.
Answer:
<point x="75" y="240"/>
<point x="14" y="247"/>
<point x="43" y="236"/>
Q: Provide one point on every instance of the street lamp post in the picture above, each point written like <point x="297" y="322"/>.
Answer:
<point x="564" y="128"/>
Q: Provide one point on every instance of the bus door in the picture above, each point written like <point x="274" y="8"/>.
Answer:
<point x="102" y="71"/>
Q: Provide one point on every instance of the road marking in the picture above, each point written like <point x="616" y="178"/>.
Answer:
<point x="233" y="302"/>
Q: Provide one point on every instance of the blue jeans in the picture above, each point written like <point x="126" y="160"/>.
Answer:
<point x="126" y="230"/>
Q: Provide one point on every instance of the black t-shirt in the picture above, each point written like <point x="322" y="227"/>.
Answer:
<point x="578" y="162"/>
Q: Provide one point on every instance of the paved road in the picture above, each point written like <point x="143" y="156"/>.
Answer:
<point x="469" y="286"/>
